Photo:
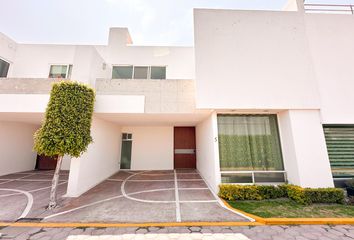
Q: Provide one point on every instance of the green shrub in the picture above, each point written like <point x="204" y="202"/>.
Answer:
<point x="324" y="195"/>
<point x="233" y="192"/>
<point x="67" y="125"/>
<point x="298" y="194"/>
<point x="271" y="192"/>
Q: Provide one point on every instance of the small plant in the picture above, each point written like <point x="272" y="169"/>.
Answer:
<point x="67" y="126"/>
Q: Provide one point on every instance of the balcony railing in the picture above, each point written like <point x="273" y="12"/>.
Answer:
<point x="329" y="8"/>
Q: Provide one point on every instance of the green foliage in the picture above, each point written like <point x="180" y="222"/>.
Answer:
<point x="324" y="195"/>
<point x="67" y="124"/>
<point x="271" y="192"/>
<point x="239" y="192"/>
<point x="298" y="194"/>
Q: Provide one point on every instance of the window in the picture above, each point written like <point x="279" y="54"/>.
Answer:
<point x="158" y="73"/>
<point x="138" y="72"/>
<point x="249" y="149"/>
<point x="4" y="68"/>
<point x="340" y="147"/>
<point x="122" y="72"/>
<point x="60" y="71"/>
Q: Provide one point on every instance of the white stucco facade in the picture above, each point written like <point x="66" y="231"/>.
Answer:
<point x="291" y="64"/>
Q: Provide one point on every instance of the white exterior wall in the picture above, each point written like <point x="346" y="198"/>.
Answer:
<point x="304" y="148"/>
<point x="179" y="61"/>
<point x="16" y="151"/>
<point x="152" y="147"/>
<point x="99" y="162"/>
<point x="331" y="40"/>
<point x="253" y="60"/>
<point x="33" y="61"/>
<point x="208" y="163"/>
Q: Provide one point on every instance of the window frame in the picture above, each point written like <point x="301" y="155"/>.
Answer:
<point x="164" y="66"/>
<point x="133" y="72"/>
<point x="123" y="65"/>
<point x="69" y="68"/>
<point x="147" y="73"/>
<point x="253" y="172"/>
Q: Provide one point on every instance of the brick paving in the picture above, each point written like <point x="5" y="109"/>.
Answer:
<point x="303" y="232"/>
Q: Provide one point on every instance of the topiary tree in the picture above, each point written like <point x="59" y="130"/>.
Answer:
<point x="67" y="126"/>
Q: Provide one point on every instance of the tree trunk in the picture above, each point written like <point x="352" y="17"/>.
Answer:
<point x="53" y="192"/>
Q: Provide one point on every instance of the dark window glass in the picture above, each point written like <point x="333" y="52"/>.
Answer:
<point x="269" y="177"/>
<point x="122" y="72"/>
<point x="236" y="178"/>
<point x="4" y="68"/>
<point x="158" y="73"/>
<point x="141" y="72"/>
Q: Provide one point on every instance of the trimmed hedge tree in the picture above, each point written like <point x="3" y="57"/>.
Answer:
<point x="67" y="126"/>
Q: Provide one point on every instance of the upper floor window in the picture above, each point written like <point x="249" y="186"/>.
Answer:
<point x="60" y="71"/>
<point x="4" y="68"/>
<point x="138" y="72"/>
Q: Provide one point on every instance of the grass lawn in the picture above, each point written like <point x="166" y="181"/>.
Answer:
<point x="290" y="209"/>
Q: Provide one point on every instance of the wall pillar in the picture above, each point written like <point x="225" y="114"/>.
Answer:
<point x="208" y="163"/>
<point x="100" y="161"/>
<point x="304" y="148"/>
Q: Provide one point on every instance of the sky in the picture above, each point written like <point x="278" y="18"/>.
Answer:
<point x="150" y="22"/>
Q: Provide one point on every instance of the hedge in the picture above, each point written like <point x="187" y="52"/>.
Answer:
<point x="298" y="194"/>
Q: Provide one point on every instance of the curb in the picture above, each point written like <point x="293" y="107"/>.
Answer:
<point x="123" y="225"/>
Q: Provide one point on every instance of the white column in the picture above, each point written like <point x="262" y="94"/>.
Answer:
<point x="304" y="148"/>
<point x="100" y="161"/>
<point x="208" y="151"/>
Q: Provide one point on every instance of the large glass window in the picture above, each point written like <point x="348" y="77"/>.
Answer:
<point x="122" y="72"/>
<point x="4" y="68"/>
<point x="250" y="143"/>
<point x="60" y="71"/>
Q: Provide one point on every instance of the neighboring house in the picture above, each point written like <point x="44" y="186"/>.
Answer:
<point x="262" y="97"/>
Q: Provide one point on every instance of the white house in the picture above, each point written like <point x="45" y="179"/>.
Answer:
<point x="262" y="97"/>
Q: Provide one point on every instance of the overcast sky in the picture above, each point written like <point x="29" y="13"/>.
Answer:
<point x="150" y="22"/>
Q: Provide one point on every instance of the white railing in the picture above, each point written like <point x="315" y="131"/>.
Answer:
<point x="329" y="8"/>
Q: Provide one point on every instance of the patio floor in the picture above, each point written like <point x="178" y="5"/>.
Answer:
<point x="127" y="196"/>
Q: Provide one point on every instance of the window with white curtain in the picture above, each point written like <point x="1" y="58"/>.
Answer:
<point x="249" y="143"/>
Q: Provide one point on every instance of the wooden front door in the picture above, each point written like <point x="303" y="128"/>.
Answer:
<point x="46" y="163"/>
<point x="184" y="147"/>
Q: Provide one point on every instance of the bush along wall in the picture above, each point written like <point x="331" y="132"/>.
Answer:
<point x="298" y="194"/>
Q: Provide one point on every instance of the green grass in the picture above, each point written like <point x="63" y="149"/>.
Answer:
<point x="289" y="209"/>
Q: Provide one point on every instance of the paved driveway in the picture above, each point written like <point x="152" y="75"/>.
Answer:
<point x="128" y="196"/>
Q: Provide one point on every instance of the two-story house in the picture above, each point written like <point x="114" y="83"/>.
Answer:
<point x="263" y="97"/>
